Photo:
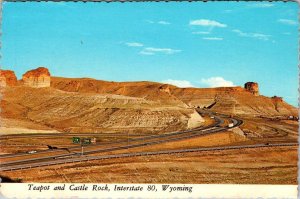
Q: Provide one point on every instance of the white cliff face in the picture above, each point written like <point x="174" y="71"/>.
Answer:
<point x="195" y="120"/>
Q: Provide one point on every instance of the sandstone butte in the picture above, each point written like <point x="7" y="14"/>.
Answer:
<point x="7" y="78"/>
<point x="252" y="87"/>
<point x="39" y="77"/>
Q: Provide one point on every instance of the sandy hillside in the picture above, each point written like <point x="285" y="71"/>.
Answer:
<point x="231" y="100"/>
<point x="52" y="109"/>
<point x="45" y="103"/>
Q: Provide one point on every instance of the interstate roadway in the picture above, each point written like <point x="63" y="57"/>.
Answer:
<point x="74" y="154"/>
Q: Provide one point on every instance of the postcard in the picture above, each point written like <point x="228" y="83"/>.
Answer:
<point x="149" y="99"/>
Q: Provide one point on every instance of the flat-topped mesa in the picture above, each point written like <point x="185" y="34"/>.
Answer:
<point x="252" y="87"/>
<point x="7" y="78"/>
<point x="38" y="78"/>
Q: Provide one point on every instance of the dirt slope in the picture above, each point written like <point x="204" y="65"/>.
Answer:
<point x="234" y="100"/>
<point x="147" y="90"/>
<point x="89" y="112"/>
<point x="89" y="105"/>
<point x="230" y="100"/>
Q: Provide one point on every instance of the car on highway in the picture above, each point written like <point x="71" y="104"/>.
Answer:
<point x="31" y="152"/>
<point x="230" y="125"/>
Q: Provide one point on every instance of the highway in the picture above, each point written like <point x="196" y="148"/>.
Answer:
<point x="137" y="142"/>
<point x="126" y="155"/>
<point x="74" y="154"/>
<point x="197" y="131"/>
<point x="47" y="135"/>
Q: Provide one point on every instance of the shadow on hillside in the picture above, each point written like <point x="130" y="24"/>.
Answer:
<point x="8" y="179"/>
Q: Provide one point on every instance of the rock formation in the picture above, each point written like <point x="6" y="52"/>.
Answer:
<point x="277" y="99"/>
<point x="7" y="78"/>
<point x="39" y="77"/>
<point x="252" y="87"/>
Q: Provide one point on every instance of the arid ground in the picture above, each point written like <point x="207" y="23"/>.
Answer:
<point x="116" y="113"/>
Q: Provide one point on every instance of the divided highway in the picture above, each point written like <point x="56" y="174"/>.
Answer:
<point x="218" y="121"/>
<point x="125" y="155"/>
<point x="74" y="154"/>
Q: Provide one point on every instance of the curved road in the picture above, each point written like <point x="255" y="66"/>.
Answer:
<point x="218" y="121"/>
<point x="60" y="156"/>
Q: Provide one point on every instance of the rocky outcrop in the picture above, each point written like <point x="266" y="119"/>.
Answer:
<point x="277" y="102"/>
<point x="7" y="78"/>
<point x="252" y="87"/>
<point x="39" y="77"/>
<point x="277" y="99"/>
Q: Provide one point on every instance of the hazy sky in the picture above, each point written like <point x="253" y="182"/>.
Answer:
<point x="187" y="44"/>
